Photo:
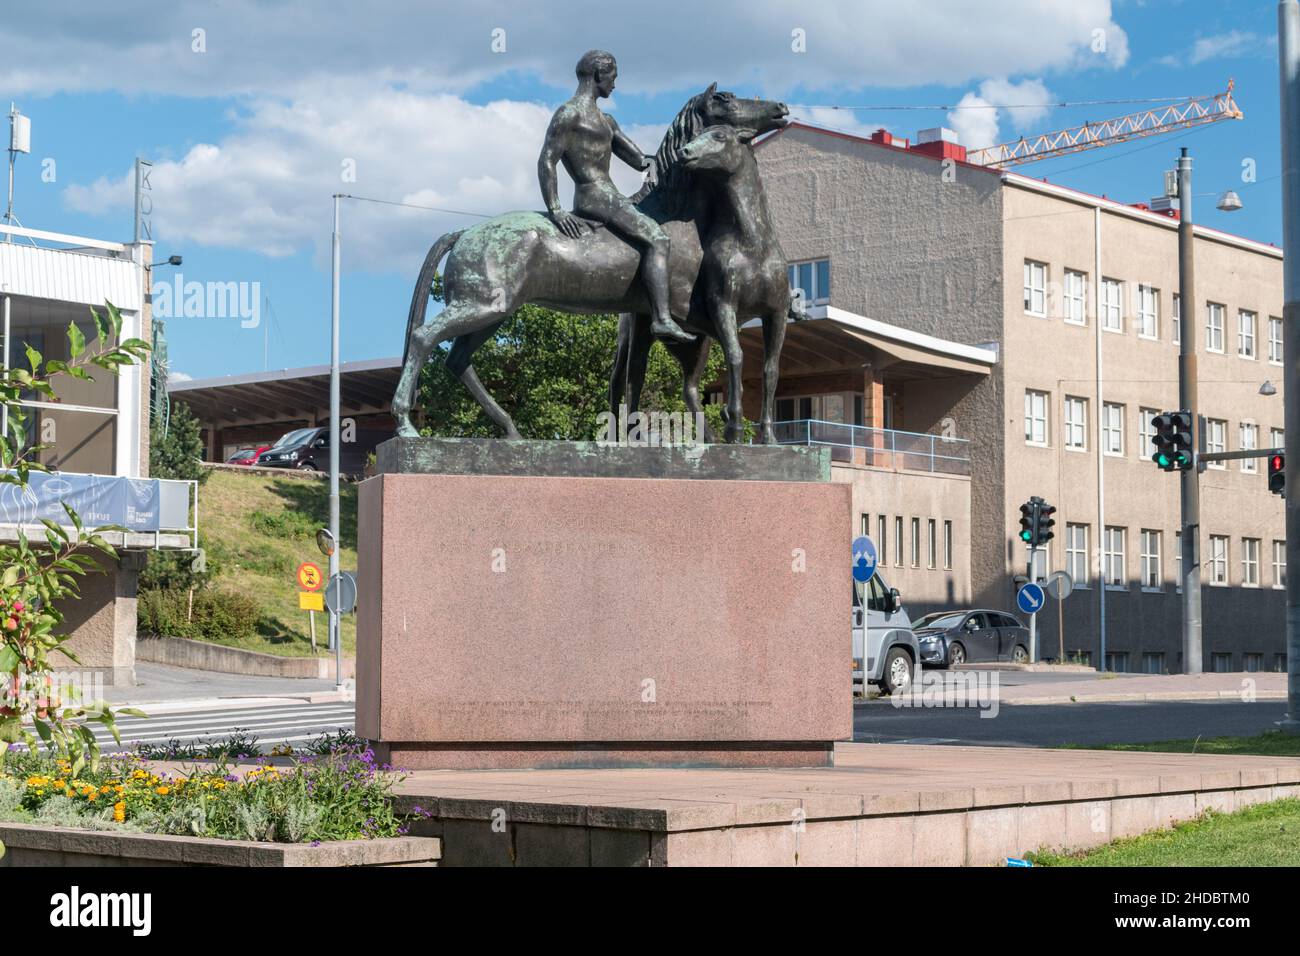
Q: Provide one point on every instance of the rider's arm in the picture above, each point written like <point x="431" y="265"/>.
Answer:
<point x="627" y="150"/>
<point x="552" y="149"/>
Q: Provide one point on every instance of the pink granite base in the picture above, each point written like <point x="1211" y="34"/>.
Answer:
<point x="587" y="622"/>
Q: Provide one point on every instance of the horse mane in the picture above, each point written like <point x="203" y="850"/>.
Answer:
<point x="674" y="180"/>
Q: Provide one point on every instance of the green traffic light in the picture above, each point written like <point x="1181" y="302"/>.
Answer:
<point x="1025" y="536"/>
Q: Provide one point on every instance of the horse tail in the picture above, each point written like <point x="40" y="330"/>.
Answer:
<point x="424" y="286"/>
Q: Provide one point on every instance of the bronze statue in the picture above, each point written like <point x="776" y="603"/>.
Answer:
<point x="723" y="261"/>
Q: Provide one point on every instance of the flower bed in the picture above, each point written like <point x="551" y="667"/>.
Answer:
<point x="316" y="798"/>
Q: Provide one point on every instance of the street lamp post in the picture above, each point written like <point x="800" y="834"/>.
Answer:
<point x="336" y="634"/>
<point x="1187" y="386"/>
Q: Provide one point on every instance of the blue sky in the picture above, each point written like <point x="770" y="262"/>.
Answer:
<point x="249" y="133"/>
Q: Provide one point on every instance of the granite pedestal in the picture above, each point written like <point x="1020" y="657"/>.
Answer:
<point x="544" y="605"/>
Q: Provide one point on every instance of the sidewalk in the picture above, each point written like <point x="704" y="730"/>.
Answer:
<point x="1147" y="687"/>
<point x="181" y="688"/>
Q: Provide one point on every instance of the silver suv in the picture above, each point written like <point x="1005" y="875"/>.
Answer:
<point x="885" y="652"/>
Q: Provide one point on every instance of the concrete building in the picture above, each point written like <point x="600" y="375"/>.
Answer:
<point x="97" y="431"/>
<point x="1076" y="298"/>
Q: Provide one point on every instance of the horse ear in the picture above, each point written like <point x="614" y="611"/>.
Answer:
<point x="713" y="87"/>
<point x="746" y="134"/>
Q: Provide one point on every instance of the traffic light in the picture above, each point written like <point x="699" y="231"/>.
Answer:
<point x="1173" y="440"/>
<point x="1277" y="474"/>
<point x="1027" y="522"/>
<point x="1036" y="522"/>
<point x="1045" y="523"/>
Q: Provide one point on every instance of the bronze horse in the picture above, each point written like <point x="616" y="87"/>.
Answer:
<point x="518" y="258"/>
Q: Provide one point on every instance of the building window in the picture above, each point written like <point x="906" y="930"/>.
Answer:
<point x="1151" y="580"/>
<point x="1117" y="662"/>
<point x="1248" y="439"/>
<point x="1279" y="564"/>
<point x="1221" y="663"/>
<point x="1112" y="428"/>
<point x="1218" y="559"/>
<point x="932" y="544"/>
<point x="1276" y="438"/>
<point x="1250" y="562"/>
<point x="1153" y="662"/>
<point x="1148" y="310"/>
<point x="866" y="524"/>
<point x="1113" y="557"/>
<point x="1147" y="432"/>
<point x="947" y="545"/>
<point x="1076" y="297"/>
<point x="898" y="541"/>
<point x="1076" y="553"/>
<point x="1035" y="287"/>
<point x="1214" y="327"/>
<point x="811" y="281"/>
<point x="882" y="539"/>
<point x="1076" y="423"/>
<point x="1252" y="663"/>
<point x="1178" y="321"/>
<point x="1112" y="309"/>
<point x="1275" y="340"/>
<point x="1279" y="663"/>
<point x="1246" y="334"/>
<point x="1216" y="440"/>
<point x="1035" y="417"/>
<point x="916" y="542"/>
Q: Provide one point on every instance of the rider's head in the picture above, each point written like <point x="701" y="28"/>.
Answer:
<point x="600" y="68"/>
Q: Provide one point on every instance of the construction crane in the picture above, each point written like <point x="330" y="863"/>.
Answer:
<point x="1198" y="111"/>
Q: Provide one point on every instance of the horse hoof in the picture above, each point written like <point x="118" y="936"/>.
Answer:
<point x="671" y="330"/>
<point x="406" y="430"/>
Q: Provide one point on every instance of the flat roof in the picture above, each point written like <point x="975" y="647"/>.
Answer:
<point x="288" y="393"/>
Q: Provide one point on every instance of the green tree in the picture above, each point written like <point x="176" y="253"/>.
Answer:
<point x="36" y="578"/>
<point x="550" y="371"/>
<point x="177" y="453"/>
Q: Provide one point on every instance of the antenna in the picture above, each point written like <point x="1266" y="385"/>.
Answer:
<point x="20" y="141"/>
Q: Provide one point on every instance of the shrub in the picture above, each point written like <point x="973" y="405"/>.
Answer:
<point x="216" y="614"/>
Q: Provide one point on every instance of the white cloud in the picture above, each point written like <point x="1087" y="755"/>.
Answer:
<point x="267" y="187"/>
<point x="253" y="47"/>
<point x="174" y="377"/>
<point x="1232" y="43"/>
<point x="977" y="119"/>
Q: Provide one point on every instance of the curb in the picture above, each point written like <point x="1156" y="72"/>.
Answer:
<point x="1150" y="698"/>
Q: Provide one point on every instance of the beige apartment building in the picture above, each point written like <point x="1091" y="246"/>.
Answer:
<point x="976" y="337"/>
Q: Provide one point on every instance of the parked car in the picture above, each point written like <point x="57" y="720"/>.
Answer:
<point x="246" y="456"/>
<point x="308" y="449"/>
<point x="948" y="638"/>
<point x="885" y="651"/>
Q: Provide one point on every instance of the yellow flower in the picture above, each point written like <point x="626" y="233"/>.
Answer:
<point x="163" y="791"/>
<point x="119" y="811"/>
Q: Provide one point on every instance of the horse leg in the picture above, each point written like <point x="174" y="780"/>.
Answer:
<point x="694" y="360"/>
<point x="640" y="341"/>
<point x="461" y="318"/>
<point x="458" y="363"/>
<point x="724" y="314"/>
<point x="773" y="338"/>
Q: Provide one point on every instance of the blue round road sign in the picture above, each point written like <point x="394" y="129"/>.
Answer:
<point x="1030" y="598"/>
<point x="864" y="559"/>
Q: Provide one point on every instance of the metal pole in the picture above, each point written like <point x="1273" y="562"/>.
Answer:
<point x="1288" y="36"/>
<point x="1187" y="388"/>
<point x="1033" y="618"/>
<point x="1101" y="458"/>
<point x="336" y="634"/>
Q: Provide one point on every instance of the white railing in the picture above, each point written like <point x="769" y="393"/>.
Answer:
<point x="880" y="447"/>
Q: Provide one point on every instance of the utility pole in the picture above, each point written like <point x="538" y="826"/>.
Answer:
<point x="1288" y="39"/>
<point x="1190" y="477"/>
<point x="336" y="632"/>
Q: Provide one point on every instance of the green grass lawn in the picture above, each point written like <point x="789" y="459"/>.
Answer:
<point x="1263" y="835"/>
<point x="1267" y="834"/>
<point x="258" y="529"/>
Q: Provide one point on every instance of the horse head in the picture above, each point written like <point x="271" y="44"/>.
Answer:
<point x="712" y="107"/>
<point x="719" y="149"/>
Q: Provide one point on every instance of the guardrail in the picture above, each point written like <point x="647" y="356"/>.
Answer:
<point x="880" y="447"/>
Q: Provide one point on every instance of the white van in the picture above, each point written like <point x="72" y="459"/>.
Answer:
<point x="885" y="652"/>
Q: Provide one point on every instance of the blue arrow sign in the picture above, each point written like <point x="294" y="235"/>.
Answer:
<point x="1030" y="598"/>
<point x="864" y="559"/>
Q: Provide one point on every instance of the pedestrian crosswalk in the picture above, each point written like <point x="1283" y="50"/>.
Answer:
<point x="295" y="723"/>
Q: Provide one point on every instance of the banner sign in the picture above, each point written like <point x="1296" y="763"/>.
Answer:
<point x="133" y="503"/>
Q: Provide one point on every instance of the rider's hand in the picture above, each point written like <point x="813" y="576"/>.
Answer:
<point x="570" y="225"/>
